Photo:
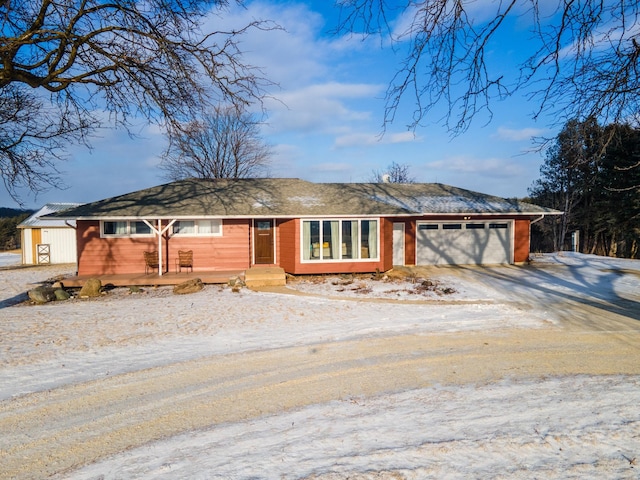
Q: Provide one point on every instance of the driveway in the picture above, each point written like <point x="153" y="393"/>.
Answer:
<point x="594" y="332"/>
<point x="582" y="293"/>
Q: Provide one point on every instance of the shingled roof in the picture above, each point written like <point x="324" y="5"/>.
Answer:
<point x="288" y="197"/>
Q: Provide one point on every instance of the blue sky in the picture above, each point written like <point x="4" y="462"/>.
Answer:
<point x="325" y="121"/>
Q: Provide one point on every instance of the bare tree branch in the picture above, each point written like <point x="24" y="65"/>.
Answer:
<point x="127" y="57"/>
<point x="225" y="143"/>
<point x="585" y="60"/>
<point x="394" y="173"/>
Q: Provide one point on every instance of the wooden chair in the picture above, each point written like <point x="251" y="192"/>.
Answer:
<point x="184" y="260"/>
<point x="151" y="262"/>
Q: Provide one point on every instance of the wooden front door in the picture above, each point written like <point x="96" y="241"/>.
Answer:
<point x="263" y="241"/>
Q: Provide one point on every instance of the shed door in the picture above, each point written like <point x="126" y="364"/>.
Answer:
<point x="463" y="243"/>
<point x="264" y="241"/>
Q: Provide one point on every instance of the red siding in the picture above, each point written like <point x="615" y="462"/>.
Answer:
<point x="521" y="234"/>
<point x="386" y="247"/>
<point x="290" y="256"/>
<point x="233" y="250"/>
<point x="521" y="241"/>
<point x="287" y="247"/>
<point x="98" y="256"/>
<point x="410" y="242"/>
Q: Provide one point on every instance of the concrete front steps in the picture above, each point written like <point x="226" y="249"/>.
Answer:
<point x="265" y="277"/>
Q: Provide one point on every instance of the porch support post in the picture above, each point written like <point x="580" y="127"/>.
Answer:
<point x="159" y="231"/>
<point x="160" y="269"/>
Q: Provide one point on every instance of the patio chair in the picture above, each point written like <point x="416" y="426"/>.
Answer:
<point x="151" y="262"/>
<point x="184" y="260"/>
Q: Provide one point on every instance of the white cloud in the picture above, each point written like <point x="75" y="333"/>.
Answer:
<point x="518" y="135"/>
<point x="369" y="139"/>
<point x="489" y="167"/>
<point x="319" y="108"/>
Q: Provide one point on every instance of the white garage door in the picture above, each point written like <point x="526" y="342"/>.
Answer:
<point x="463" y="243"/>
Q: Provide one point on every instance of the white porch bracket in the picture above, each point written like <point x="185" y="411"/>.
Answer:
<point x="159" y="231"/>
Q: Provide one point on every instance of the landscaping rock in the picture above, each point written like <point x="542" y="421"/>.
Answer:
<point x="42" y="294"/>
<point x="61" y="294"/>
<point x="190" y="286"/>
<point x="236" y="282"/>
<point x="91" y="288"/>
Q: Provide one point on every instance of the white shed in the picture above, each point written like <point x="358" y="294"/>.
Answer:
<point x="48" y="240"/>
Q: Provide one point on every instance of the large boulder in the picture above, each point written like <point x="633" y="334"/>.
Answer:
<point x="91" y="288"/>
<point x="42" y="294"/>
<point x="190" y="286"/>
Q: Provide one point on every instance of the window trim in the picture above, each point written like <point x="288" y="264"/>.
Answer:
<point x="128" y="233"/>
<point x="322" y="260"/>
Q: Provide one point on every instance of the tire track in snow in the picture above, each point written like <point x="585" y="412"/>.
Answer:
<point x="56" y="431"/>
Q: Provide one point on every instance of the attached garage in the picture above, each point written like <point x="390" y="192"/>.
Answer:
<point x="464" y="243"/>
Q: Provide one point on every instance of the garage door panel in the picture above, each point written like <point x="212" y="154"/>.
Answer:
<point x="463" y="244"/>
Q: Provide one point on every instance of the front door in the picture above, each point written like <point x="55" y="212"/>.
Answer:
<point x="263" y="241"/>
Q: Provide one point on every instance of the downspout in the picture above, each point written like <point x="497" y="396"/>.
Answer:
<point x="537" y="219"/>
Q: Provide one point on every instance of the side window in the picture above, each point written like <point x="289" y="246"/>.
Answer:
<point x="182" y="227"/>
<point x="124" y="228"/>
<point x="114" y="228"/>
<point x="140" y="228"/>
<point x="207" y="227"/>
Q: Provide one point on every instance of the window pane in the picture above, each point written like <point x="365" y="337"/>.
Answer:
<point x="369" y="241"/>
<point x="184" y="226"/>
<point x="205" y="227"/>
<point x="452" y="226"/>
<point x="114" y="228"/>
<point x="140" y="228"/>
<point x="330" y="236"/>
<point x="264" y="225"/>
<point x="311" y="240"/>
<point x="349" y="239"/>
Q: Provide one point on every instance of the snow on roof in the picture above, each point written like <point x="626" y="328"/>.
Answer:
<point x="457" y="204"/>
<point x="35" y="220"/>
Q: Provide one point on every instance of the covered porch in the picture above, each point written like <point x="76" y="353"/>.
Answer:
<point x="253" y="277"/>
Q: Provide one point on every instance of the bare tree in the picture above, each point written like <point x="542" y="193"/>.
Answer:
<point x="225" y="143"/>
<point x="62" y="62"/>
<point x="584" y="61"/>
<point x="394" y="173"/>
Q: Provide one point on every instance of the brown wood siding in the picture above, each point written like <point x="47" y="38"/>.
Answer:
<point x="521" y="241"/>
<point x="99" y="256"/>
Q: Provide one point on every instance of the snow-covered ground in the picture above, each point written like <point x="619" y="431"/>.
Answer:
<point x="9" y="258"/>
<point x="583" y="426"/>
